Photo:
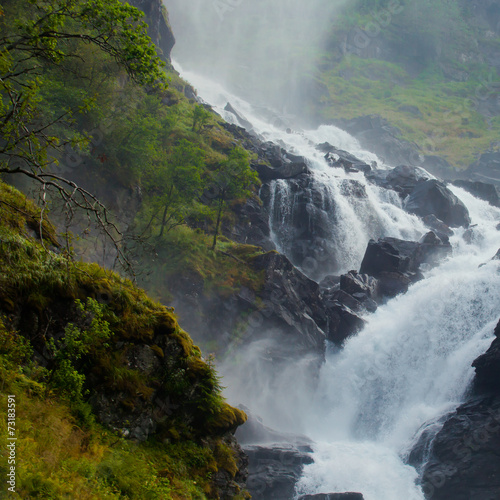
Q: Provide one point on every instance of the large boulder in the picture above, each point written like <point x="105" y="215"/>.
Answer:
<point x="286" y="170"/>
<point x="342" y="159"/>
<point x="302" y="214"/>
<point x="462" y="461"/>
<point x="396" y="263"/>
<point x="404" y="178"/>
<point x="274" y="471"/>
<point x="432" y="197"/>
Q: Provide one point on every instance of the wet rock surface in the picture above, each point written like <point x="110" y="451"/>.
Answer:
<point x="396" y="263"/>
<point x="463" y="461"/>
<point x="432" y="197"/>
<point x="158" y="25"/>
<point x="275" y="470"/>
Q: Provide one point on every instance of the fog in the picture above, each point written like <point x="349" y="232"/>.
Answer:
<point x="264" y="51"/>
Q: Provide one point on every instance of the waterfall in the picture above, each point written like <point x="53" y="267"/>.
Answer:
<point x="412" y="362"/>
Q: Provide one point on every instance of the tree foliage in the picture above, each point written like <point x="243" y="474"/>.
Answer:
<point x="231" y="179"/>
<point x="38" y="37"/>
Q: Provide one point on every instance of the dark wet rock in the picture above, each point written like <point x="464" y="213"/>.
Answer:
<point x="303" y="211"/>
<point x="333" y="496"/>
<point x="487" y="367"/>
<point x="432" y="197"/>
<point x="353" y="188"/>
<point x="464" y="462"/>
<point x="339" y="297"/>
<point x="284" y="171"/>
<point x="343" y="323"/>
<point x="329" y="282"/>
<point x="389" y="255"/>
<point x="438" y="226"/>
<point x="404" y="178"/>
<point x="287" y="310"/>
<point x="241" y="119"/>
<point x="251" y="225"/>
<point x="274" y="471"/>
<point x="159" y="28"/>
<point x="362" y="287"/>
<point x="481" y="190"/>
<point x="291" y="303"/>
<point x="396" y="263"/>
<point x="355" y="283"/>
<point x="342" y="159"/>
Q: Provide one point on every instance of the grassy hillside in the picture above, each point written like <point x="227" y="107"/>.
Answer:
<point x="427" y="67"/>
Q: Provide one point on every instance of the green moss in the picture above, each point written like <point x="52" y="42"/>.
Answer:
<point x="65" y="453"/>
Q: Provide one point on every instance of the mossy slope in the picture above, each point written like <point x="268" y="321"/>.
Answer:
<point x="140" y="375"/>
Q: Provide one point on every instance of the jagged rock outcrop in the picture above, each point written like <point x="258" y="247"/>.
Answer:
<point x="239" y="117"/>
<point x="463" y="461"/>
<point x="158" y="25"/>
<point x="487" y="379"/>
<point x="396" y="263"/>
<point x="342" y="159"/>
<point x="361" y="287"/>
<point x="432" y="197"/>
<point x="304" y="227"/>
<point x="274" y="471"/>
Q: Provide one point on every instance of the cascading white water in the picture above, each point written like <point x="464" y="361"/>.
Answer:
<point x="352" y="221"/>
<point x="412" y="362"/>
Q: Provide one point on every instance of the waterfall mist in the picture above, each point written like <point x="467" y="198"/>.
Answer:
<point x="264" y="51"/>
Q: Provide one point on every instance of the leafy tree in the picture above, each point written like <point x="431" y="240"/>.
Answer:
<point x="200" y="118"/>
<point x="232" y="179"/>
<point x="176" y="185"/>
<point x="38" y="35"/>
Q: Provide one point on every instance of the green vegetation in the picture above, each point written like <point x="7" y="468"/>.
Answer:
<point x="87" y="325"/>
<point x="417" y="64"/>
<point x="84" y="99"/>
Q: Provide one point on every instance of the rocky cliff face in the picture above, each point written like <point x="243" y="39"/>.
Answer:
<point x="159" y="27"/>
<point x="462" y="460"/>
